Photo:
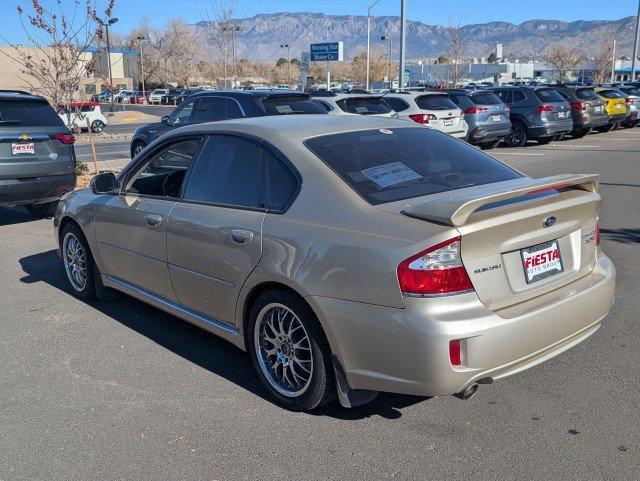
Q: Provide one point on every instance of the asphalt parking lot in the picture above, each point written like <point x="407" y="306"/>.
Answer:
<point x="120" y="390"/>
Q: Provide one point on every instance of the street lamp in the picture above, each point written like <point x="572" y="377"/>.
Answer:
<point x="140" y="38"/>
<point x="388" y="39"/>
<point x="403" y="41"/>
<point x="288" y="47"/>
<point x="635" y="46"/>
<point x="106" y="25"/>
<point x="233" y="29"/>
<point x="369" y="8"/>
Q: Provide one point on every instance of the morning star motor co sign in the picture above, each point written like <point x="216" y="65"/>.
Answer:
<point x="327" y="52"/>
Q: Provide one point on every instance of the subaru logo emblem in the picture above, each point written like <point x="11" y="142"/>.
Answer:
<point x="549" y="221"/>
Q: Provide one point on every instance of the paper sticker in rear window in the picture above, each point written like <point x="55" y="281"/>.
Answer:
<point x="391" y="174"/>
<point x="283" y="109"/>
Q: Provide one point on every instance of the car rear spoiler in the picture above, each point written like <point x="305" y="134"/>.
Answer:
<point x="455" y="208"/>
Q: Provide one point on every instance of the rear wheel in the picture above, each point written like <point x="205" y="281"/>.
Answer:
<point x="489" y="145"/>
<point x="545" y="140"/>
<point x="78" y="262"/>
<point x="518" y="136"/>
<point x="605" y="128"/>
<point x="578" y="134"/>
<point x="289" y="351"/>
<point x="97" y="126"/>
<point x="44" y="211"/>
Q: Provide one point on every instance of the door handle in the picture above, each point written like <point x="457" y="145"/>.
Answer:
<point x="242" y="236"/>
<point x="153" y="220"/>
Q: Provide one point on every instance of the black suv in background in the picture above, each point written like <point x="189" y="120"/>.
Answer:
<point x="37" y="159"/>
<point x="537" y="112"/>
<point x="213" y="106"/>
<point x="587" y="108"/>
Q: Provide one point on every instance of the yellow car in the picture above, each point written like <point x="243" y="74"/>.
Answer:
<point x="616" y="107"/>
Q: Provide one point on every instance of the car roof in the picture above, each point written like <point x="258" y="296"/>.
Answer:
<point x="252" y="93"/>
<point x="19" y="94"/>
<point x="415" y="93"/>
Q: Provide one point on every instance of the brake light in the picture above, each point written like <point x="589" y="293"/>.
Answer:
<point x="597" y="235"/>
<point x="475" y="109"/>
<point x="544" y="108"/>
<point x="435" y="271"/>
<point x="578" y="106"/>
<point x="507" y="107"/>
<point x="67" y="139"/>
<point x="454" y="352"/>
<point x="422" y="118"/>
<point x="627" y="100"/>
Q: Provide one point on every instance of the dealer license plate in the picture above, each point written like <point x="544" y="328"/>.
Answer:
<point x="23" y="149"/>
<point x="496" y="118"/>
<point x="562" y="115"/>
<point x="598" y="108"/>
<point x="448" y="122"/>
<point x="541" y="261"/>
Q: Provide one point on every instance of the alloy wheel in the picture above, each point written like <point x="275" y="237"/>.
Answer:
<point x="75" y="261"/>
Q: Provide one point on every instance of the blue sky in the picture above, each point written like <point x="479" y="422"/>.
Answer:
<point x="428" y="11"/>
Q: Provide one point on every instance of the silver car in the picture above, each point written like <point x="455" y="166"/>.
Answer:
<point x="348" y="255"/>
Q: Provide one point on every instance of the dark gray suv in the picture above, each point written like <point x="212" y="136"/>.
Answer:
<point x="537" y="112"/>
<point x="486" y="115"/>
<point x="587" y="108"/>
<point x="37" y="159"/>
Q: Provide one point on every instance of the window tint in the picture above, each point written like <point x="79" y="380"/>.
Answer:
<point x="548" y="95"/>
<point x="280" y="182"/>
<point x="291" y="105"/>
<point x="586" y="94"/>
<point x="564" y="95"/>
<point x="435" y="102"/>
<point x="610" y="94"/>
<point x="409" y="162"/>
<point x="364" y="106"/>
<point x="226" y="173"/>
<point x="164" y="172"/>
<point x="28" y="113"/>
<point x="185" y="113"/>
<point x="518" y="96"/>
<point x="396" y="104"/>
<point x="211" y="109"/>
<point x="485" y="98"/>
<point x="325" y="105"/>
<point x="504" y="95"/>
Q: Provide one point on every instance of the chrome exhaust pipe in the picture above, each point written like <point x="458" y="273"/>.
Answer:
<point x="467" y="393"/>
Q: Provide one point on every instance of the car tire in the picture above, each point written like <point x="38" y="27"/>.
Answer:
<point x="137" y="147"/>
<point x="97" y="126"/>
<point x="605" y="128"/>
<point x="298" y="371"/>
<point x="545" y="140"/>
<point x="78" y="262"/>
<point x="518" y="136"/>
<point x="489" y="145"/>
<point x="42" y="211"/>
<point x="578" y="134"/>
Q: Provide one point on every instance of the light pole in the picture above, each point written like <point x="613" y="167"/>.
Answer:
<point x="388" y="39"/>
<point x="140" y="38"/>
<point x="233" y="29"/>
<point x="403" y="41"/>
<point x="106" y="24"/>
<point x="288" y="47"/>
<point x="613" y="62"/>
<point x="635" y="46"/>
<point x="369" y="8"/>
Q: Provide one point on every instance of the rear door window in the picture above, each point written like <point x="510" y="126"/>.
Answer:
<point x="435" y="102"/>
<point x="396" y="104"/>
<point x="387" y="165"/>
<point x="586" y="94"/>
<point x="291" y="105"/>
<point x="485" y="98"/>
<point x="505" y="95"/>
<point x="548" y="95"/>
<point x="518" y="97"/>
<point x="28" y="113"/>
<point x="280" y="183"/>
<point x="364" y="106"/>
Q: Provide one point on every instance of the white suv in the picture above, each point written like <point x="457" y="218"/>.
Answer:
<point x="156" y="95"/>
<point x="76" y="115"/>
<point x="432" y="109"/>
<point x="353" y="104"/>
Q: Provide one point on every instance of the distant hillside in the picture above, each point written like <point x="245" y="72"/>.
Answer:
<point x="261" y="36"/>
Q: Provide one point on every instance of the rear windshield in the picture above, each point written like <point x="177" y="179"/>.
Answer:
<point x="364" y="106"/>
<point x="485" y="98"/>
<point x="291" y="105"/>
<point x="610" y="94"/>
<point x="549" y="95"/>
<point x="435" y="102"/>
<point x="630" y="90"/>
<point x="28" y="113"/>
<point x="586" y="94"/>
<point x="386" y="165"/>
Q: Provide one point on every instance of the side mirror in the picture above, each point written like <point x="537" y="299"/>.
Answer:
<point x="104" y="183"/>
<point x="165" y="120"/>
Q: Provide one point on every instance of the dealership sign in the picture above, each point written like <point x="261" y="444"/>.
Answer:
<point x="327" y="52"/>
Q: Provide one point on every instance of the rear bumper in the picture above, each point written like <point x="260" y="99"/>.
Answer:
<point x="406" y="350"/>
<point x="614" y="119"/>
<point x="587" y="121"/>
<point x="549" y="129"/>
<point x="489" y="132"/>
<point x="36" y="190"/>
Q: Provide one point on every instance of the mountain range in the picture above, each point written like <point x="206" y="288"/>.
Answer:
<point x="260" y="36"/>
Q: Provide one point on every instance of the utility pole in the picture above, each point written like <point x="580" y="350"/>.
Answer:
<point x="613" y="63"/>
<point x="635" y="46"/>
<point x="403" y="41"/>
<point x="388" y="39"/>
<point x="288" y="47"/>
<point x="140" y="39"/>
<point x="369" y="8"/>
<point x="106" y="24"/>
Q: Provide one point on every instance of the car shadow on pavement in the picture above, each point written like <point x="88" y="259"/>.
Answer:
<point x="192" y="343"/>
<point x="15" y="215"/>
<point x="622" y="236"/>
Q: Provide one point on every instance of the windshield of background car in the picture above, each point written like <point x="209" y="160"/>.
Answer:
<point x="548" y="95"/>
<point x="485" y="98"/>
<point x="386" y="165"/>
<point x="364" y="106"/>
<point x="291" y="105"/>
<point x="435" y="102"/>
<point x="28" y="113"/>
<point x="586" y="94"/>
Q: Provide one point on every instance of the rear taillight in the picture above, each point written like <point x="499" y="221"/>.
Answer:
<point x="475" y="109"/>
<point x="422" y="118"/>
<point x="578" y="106"/>
<point x="507" y="107"/>
<point x="66" y="139"/>
<point x="544" y="108"/>
<point x="597" y="235"/>
<point x="628" y="100"/>
<point x="435" y="271"/>
<point x="454" y="353"/>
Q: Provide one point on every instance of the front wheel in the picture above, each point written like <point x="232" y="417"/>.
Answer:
<point x="545" y="140"/>
<point x="43" y="211"/>
<point x="289" y="351"/>
<point x="97" y="126"/>
<point x="78" y="262"/>
<point x="606" y="128"/>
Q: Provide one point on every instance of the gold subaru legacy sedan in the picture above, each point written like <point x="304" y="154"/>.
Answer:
<point x="347" y="255"/>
